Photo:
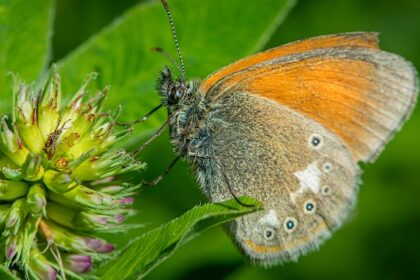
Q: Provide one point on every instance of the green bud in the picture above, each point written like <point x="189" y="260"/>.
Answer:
<point x="31" y="137"/>
<point x="50" y="102"/>
<point x="58" y="182"/>
<point x="24" y="105"/>
<point x="71" y="241"/>
<point x="36" y="199"/>
<point x="12" y="174"/>
<point x="11" y="145"/>
<point x="78" y="263"/>
<point x="72" y="165"/>
<point x="86" y="115"/>
<point x="79" y="220"/>
<point x="32" y="169"/>
<point x="4" y="209"/>
<point x="29" y="234"/>
<point x="61" y="214"/>
<point x="5" y="161"/>
<point x="82" y="146"/>
<point x="11" y="190"/>
<point x="91" y="221"/>
<point x="67" y="240"/>
<point x="9" y="169"/>
<point x="15" y="217"/>
<point x="13" y="248"/>
<point x="100" y="139"/>
<point x="8" y="138"/>
<point x="106" y="165"/>
<point x="27" y="120"/>
<point x="40" y="267"/>
<point x="82" y="197"/>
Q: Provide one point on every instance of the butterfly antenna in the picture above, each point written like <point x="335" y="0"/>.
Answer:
<point x="171" y="22"/>
<point x="170" y="58"/>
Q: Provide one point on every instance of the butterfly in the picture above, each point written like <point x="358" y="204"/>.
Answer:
<point x="289" y="126"/>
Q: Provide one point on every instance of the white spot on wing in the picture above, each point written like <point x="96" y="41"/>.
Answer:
<point x="270" y="219"/>
<point x="310" y="178"/>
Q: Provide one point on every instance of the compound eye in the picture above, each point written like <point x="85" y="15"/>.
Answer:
<point x="173" y="96"/>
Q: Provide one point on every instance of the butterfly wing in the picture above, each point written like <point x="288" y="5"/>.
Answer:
<point x="342" y="81"/>
<point x="288" y="127"/>
<point x="303" y="174"/>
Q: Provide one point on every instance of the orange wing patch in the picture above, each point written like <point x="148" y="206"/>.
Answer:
<point x="360" y="93"/>
<point x="313" y="233"/>
<point x="359" y="39"/>
<point x="262" y="249"/>
<point x="331" y="95"/>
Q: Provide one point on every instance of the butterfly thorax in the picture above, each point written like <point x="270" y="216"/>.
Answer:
<point x="188" y="111"/>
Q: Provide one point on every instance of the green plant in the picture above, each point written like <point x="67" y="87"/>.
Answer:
<point x="59" y="181"/>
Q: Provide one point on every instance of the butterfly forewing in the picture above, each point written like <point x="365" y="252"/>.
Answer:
<point x="355" y="39"/>
<point x="358" y="92"/>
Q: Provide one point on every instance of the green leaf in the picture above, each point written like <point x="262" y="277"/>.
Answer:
<point x="153" y="247"/>
<point x="25" y="33"/>
<point x="212" y="33"/>
<point x="5" y="274"/>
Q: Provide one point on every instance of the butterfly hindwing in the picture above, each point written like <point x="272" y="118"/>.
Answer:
<point x="303" y="174"/>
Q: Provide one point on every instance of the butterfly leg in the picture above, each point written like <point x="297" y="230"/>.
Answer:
<point x="155" y="181"/>
<point x="153" y="137"/>
<point x="140" y="120"/>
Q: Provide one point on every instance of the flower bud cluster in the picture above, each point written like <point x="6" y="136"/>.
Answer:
<point x="59" y="180"/>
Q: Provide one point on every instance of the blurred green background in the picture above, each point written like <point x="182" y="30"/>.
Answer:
<point x="381" y="240"/>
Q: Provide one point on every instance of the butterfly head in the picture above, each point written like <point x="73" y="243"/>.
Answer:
<point x="176" y="93"/>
